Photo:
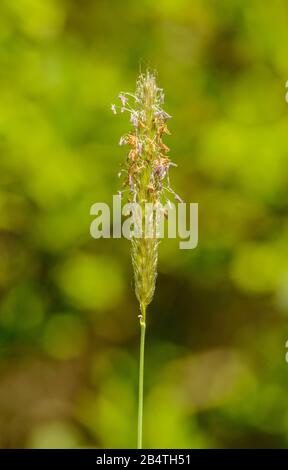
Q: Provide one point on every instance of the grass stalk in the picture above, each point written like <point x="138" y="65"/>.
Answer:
<point x="146" y="180"/>
<point x="141" y="377"/>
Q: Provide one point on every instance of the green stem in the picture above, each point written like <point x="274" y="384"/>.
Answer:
<point x="141" y="376"/>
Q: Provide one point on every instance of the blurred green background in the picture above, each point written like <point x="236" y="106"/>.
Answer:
<point x="215" y="374"/>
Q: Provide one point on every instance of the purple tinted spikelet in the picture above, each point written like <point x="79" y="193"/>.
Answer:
<point x="146" y="173"/>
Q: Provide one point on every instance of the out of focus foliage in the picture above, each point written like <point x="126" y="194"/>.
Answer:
<point x="215" y="369"/>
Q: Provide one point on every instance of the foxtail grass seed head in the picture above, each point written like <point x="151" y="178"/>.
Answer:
<point x="146" y="174"/>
